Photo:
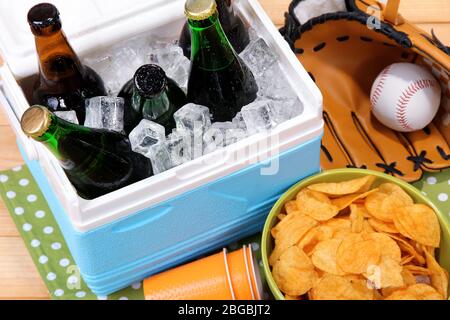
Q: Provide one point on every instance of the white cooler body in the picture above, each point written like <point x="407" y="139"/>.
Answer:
<point x="188" y="211"/>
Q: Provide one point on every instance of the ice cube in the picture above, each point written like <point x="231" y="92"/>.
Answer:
<point x="160" y="157"/>
<point x="215" y="137"/>
<point x="179" y="145"/>
<point x="118" y="63"/>
<point x="258" y="117"/>
<point x="284" y="110"/>
<point x="70" y="116"/>
<point x="170" y="57"/>
<point x="222" y="134"/>
<point x="235" y="135"/>
<point x="146" y="135"/>
<point x="253" y="35"/>
<point x="180" y="73"/>
<point x="239" y="122"/>
<point x="274" y="85"/>
<point x="105" y="113"/>
<point x="258" y="57"/>
<point x="104" y="66"/>
<point x="193" y="117"/>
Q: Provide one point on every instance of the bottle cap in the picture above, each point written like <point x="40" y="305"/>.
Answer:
<point x="200" y="9"/>
<point x="36" y="121"/>
<point x="43" y="16"/>
<point x="150" y="80"/>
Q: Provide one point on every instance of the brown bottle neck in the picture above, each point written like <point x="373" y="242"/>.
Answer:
<point x="57" y="60"/>
<point x="226" y="12"/>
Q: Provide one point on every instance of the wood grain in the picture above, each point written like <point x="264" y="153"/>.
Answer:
<point x="18" y="276"/>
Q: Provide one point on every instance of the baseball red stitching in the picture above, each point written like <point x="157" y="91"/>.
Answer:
<point x="405" y="99"/>
<point x="379" y="88"/>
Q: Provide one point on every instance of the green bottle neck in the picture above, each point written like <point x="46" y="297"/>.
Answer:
<point x="57" y="130"/>
<point x="211" y="49"/>
<point x="151" y="108"/>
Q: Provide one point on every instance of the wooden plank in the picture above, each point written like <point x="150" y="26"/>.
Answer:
<point x="442" y="30"/>
<point x="419" y="11"/>
<point x="7" y="226"/>
<point x="3" y="119"/>
<point x="19" y="278"/>
<point x="276" y="9"/>
<point x="9" y="152"/>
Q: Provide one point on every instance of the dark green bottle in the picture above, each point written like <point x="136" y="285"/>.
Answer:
<point x="151" y="95"/>
<point x="96" y="162"/>
<point x="219" y="79"/>
<point x="232" y="24"/>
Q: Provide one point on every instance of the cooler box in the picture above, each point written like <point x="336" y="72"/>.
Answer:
<point x="181" y="214"/>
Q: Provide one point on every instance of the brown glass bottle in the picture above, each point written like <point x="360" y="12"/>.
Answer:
<point x="96" y="161"/>
<point x="232" y="25"/>
<point x="64" y="83"/>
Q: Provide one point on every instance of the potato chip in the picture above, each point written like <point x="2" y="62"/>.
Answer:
<point x="425" y="292"/>
<point x="357" y="218"/>
<point x="420" y="223"/>
<point x="289" y="232"/>
<point x="332" y="287"/>
<point x="344" y="188"/>
<point x="407" y="260"/>
<point x="408" y="280"/>
<point x="388" y="197"/>
<point x="356" y="253"/>
<point x="429" y="250"/>
<point x="291" y="207"/>
<point x="339" y="227"/>
<point x="294" y="272"/>
<point x="439" y="276"/>
<point x="288" y="297"/>
<point x="388" y="247"/>
<point x="324" y="257"/>
<point x="382" y="226"/>
<point x="344" y="241"/>
<point x="386" y="274"/>
<point x="316" y="205"/>
<point x="344" y="202"/>
<point x="402" y="294"/>
<point x="367" y="228"/>
<point x="405" y="246"/>
<point x="416" y="292"/>
<point x="416" y="270"/>
<point x="313" y="237"/>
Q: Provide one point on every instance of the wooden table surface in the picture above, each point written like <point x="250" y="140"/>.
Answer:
<point x="18" y="276"/>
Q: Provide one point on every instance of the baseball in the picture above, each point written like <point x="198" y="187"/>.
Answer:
<point x="405" y="97"/>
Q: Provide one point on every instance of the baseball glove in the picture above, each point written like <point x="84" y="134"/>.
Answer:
<point x="344" y="51"/>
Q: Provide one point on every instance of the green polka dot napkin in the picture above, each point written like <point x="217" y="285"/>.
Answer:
<point x="44" y="240"/>
<point x="49" y="251"/>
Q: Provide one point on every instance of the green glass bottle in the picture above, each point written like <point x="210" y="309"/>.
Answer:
<point x="153" y="96"/>
<point x="232" y="24"/>
<point x="219" y="79"/>
<point x="96" y="162"/>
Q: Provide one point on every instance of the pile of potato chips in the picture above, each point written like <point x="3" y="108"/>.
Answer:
<point x="350" y="241"/>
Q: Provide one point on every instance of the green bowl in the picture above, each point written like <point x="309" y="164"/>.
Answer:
<point x="339" y="175"/>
